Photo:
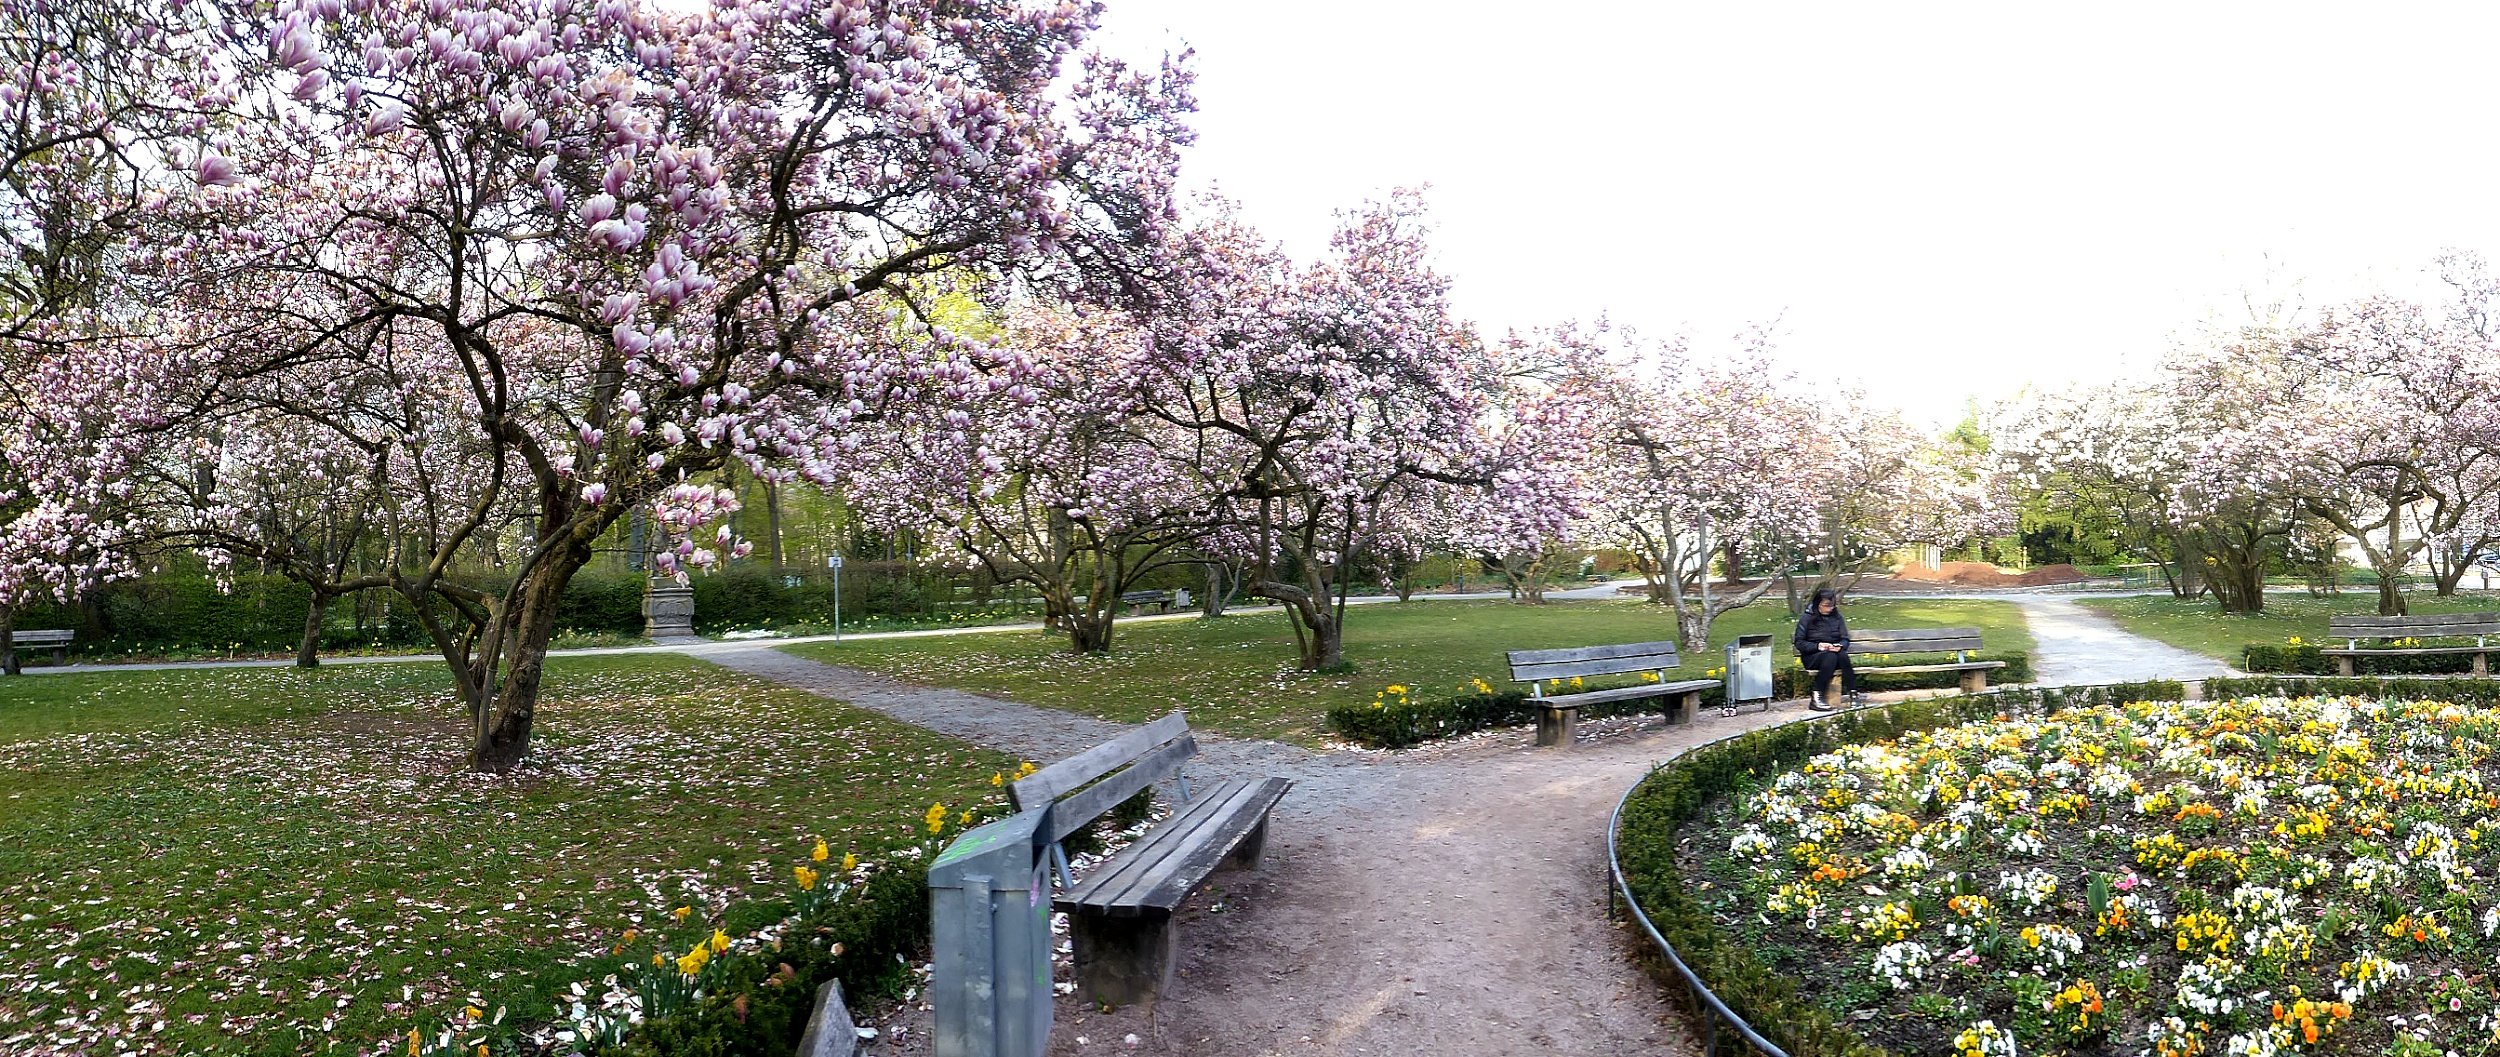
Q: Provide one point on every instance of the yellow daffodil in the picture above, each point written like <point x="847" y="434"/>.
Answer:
<point x="476" y="1013"/>
<point x="681" y="913"/>
<point x="965" y="818"/>
<point x="997" y="780"/>
<point x="412" y="1042"/>
<point x="720" y="941"/>
<point x="806" y="877"/>
<point x="694" y="960"/>
<point x="630" y="936"/>
<point x="936" y="818"/>
<point x="820" y="853"/>
<point x="850" y="862"/>
<point x="658" y="958"/>
<point x="1026" y="769"/>
<point x="481" y="1049"/>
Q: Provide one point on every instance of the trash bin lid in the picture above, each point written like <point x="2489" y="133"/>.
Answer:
<point x="1753" y="640"/>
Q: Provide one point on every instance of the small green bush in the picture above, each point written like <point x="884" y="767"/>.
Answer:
<point x="756" y="1008"/>
<point x="2463" y="691"/>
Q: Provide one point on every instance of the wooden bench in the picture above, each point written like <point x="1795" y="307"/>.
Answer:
<point x="1120" y="912"/>
<point x="1559" y="716"/>
<point x="1161" y="600"/>
<point x="57" y="639"/>
<point x="2426" y="626"/>
<point x="1960" y="642"/>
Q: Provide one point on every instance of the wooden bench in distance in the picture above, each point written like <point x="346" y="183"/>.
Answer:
<point x="1960" y="642"/>
<point x="1120" y="912"/>
<point x="1559" y="716"/>
<point x="2425" y="626"/>
<point x="1161" y="600"/>
<point x="56" y="639"/>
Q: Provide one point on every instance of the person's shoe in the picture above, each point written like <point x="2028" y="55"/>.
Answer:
<point x="1856" y="697"/>
<point x="1820" y="703"/>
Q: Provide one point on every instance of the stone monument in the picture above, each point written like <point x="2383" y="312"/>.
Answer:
<point x="667" y="610"/>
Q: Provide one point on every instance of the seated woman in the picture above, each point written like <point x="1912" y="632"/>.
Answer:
<point x="1822" y="642"/>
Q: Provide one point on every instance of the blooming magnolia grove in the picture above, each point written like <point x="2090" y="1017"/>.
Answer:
<point x="2258" y="876"/>
<point x="545" y="262"/>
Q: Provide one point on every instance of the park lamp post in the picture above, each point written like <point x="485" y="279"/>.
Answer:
<point x="834" y="562"/>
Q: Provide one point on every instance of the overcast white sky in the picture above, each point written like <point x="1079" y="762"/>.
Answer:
<point x="1941" y="201"/>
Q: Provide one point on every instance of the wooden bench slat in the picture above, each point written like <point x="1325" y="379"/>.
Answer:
<point x="1592" y="653"/>
<point x="1915" y="640"/>
<point x="2433" y="624"/>
<point x="2412" y="651"/>
<point x="1110" y="880"/>
<point x="1058" y="779"/>
<point x="1607" y="666"/>
<point x="1965" y="666"/>
<point x="1626" y="693"/>
<point x="1079" y="809"/>
<point x="1176" y="857"/>
<point x="42" y="636"/>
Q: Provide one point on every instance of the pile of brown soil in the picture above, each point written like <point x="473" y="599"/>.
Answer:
<point x="1981" y="574"/>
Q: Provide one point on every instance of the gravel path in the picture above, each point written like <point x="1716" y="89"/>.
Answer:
<point x="1448" y="900"/>
<point x="2077" y="646"/>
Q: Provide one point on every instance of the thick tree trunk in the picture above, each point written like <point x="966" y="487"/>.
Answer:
<point x="308" y="653"/>
<point x="528" y="624"/>
<point x="1219" y="590"/>
<point x="8" y="641"/>
<point x="2391" y="595"/>
<point x="1090" y="631"/>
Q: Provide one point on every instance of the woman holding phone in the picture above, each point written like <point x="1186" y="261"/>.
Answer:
<point x="1822" y="643"/>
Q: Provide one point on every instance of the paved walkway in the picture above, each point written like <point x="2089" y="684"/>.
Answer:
<point x="2077" y="646"/>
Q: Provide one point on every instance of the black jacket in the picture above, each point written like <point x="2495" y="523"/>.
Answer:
<point x="1819" y="627"/>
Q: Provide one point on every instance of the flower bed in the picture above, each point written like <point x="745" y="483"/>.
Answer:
<point x="2248" y="876"/>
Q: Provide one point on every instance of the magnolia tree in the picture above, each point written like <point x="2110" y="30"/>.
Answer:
<point x="621" y="249"/>
<point x="1692" y="455"/>
<point x="1541" y="494"/>
<point x="89" y="90"/>
<point x="1330" y="404"/>
<point x="1884" y="486"/>
<point x="1066" y="484"/>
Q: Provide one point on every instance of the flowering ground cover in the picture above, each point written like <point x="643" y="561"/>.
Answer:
<point x="273" y="861"/>
<point x="1236" y="674"/>
<point x="2199" y="626"/>
<point x="2246" y="877"/>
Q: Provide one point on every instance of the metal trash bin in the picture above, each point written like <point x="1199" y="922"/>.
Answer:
<point x="1748" y="672"/>
<point x="989" y="897"/>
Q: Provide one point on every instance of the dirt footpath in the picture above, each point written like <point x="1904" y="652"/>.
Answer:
<point x="1450" y="899"/>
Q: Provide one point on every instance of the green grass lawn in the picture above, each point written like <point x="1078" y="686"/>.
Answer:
<point x="268" y="861"/>
<point x="2201" y="627"/>
<point x="1236" y="674"/>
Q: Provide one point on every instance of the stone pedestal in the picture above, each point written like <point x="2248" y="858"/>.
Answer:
<point x="667" y="610"/>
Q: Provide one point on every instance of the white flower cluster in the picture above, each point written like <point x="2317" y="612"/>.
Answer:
<point x="2028" y="890"/>
<point x="2205" y="988"/>
<point x="1902" y="965"/>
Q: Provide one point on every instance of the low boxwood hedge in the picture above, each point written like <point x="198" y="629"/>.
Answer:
<point x="2464" y="691"/>
<point x="1409" y="722"/>
<point x="1677" y="790"/>
<point x="2311" y="659"/>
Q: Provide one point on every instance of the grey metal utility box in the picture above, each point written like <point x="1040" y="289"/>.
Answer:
<point x="989" y="896"/>
<point x="1749" y="671"/>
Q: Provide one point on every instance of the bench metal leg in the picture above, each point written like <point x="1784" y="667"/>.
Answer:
<point x="1245" y="856"/>
<point x="60" y="656"/>
<point x="1974" y="682"/>
<point x="1555" y="727"/>
<point x="2343" y="666"/>
<point x="1121" y="961"/>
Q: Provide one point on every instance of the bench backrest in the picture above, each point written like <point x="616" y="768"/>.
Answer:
<point x="1915" y="640"/>
<point x="41" y="637"/>
<point x="1144" y="596"/>
<point x="1089" y="784"/>
<point x="1528" y="666"/>
<point x="2424" y="625"/>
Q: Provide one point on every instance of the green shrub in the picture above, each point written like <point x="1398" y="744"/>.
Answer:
<point x="1676" y="792"/>
<point x="2466" y="691"/>
<point x="755" y="1007"/>
<point x="1403" y="725"/>
<point x="2311" y="659"/>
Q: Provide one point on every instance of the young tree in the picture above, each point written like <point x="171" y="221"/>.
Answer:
<point x="638" y="246"/>
<point x="1325" y="400"/>
<point x="1065" y="484"/>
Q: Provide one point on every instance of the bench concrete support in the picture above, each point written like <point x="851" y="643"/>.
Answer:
<point x="1975" y="681"/>
<point x="1246" y="855"/>
<point x="1556" y="726"/>
<point x="2343" y="667"/>
<point x="1682" y="708"/>
<point x="1121" y="961"/>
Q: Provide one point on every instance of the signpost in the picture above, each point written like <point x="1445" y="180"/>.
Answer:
<point x="834" y="562"/>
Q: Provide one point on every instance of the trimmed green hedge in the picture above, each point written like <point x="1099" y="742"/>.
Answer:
<point x="1677" y="790"/>
<point x="2464" y="691"/>
<point x="1405" y="725"/>
<point x="2311" y="659"/>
